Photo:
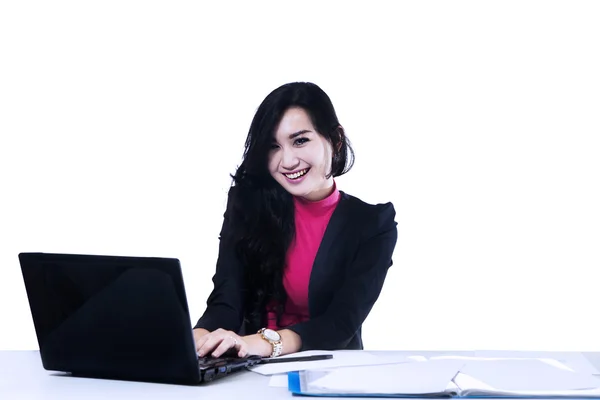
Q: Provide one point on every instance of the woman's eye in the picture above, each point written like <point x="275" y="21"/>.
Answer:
<point x="274" y="146"/>
<point x="300" y="141"/>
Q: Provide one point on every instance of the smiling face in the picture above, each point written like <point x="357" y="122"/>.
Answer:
<point x="300" y="158"/>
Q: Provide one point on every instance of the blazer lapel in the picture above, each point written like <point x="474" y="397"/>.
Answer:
<point x="321" y="266"/>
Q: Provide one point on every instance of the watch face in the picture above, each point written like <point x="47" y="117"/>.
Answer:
<point x="271" y="335"/>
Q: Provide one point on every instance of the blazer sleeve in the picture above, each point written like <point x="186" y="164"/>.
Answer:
<point x="356" y="296"/>
<point x="225" y="302"/>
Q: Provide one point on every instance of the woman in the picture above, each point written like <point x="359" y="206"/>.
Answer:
<point x="300" y="263"/>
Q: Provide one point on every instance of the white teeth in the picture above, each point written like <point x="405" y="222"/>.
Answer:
<point x="297" y="174"/>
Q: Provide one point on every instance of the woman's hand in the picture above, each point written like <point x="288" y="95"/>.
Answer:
<point x="218" y="342"/>
<point x="198" y="333"/>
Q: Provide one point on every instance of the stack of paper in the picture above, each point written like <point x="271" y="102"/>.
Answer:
<point x="417" y="379"/>
<point x="341" y="358"/>
<point x="526" y="377"/>
<point x="450" y="377"/>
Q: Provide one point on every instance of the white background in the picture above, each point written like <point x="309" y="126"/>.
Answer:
<point x="121" y="121"/>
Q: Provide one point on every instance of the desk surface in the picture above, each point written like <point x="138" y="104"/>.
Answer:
<point x="22" y="376"/>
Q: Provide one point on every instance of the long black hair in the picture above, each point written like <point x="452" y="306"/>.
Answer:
<point x="262" y="212"/>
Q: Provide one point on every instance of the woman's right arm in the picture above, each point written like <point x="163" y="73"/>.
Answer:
<point x="224" y="307"/>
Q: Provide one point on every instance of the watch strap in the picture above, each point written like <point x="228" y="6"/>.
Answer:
<point x="277" y="345"/>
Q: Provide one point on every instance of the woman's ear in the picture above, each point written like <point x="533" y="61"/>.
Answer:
<point x="340" y="138"/>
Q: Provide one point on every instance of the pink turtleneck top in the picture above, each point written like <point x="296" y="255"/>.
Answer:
<point x="311" y="219"/>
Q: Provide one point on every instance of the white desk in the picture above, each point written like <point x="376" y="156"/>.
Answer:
<point x="22" y="377"/>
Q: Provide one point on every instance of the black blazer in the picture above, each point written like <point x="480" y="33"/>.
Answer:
<point x="347" y="276"/>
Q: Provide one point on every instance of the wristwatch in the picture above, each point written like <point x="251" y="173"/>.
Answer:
<point x="274" y="339"/>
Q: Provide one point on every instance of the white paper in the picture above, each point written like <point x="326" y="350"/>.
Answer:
<point x="522" y="376"/>
<point x="341" y="358"/>
<point x="549" y="361"/>
<point x="431" y="377"/>
<point x="574" y="360"/>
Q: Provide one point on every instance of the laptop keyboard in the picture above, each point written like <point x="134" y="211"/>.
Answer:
<point x="208" y="362"/>
<point x="212" y="368"/>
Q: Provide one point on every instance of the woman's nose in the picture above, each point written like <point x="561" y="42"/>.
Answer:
<point x="289" y="159"/>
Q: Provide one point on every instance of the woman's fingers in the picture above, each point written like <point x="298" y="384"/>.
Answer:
<point x="206" y="343"/>
<point x="209" y="344"/>
<point x="242" y="348"/>
<point x="227" y="343"/>
<point x="200" y="340"/>
<point x="218" y="342"/>
<point x="243" y="351"/>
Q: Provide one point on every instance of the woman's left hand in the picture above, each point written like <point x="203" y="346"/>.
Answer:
<point x="219" y="341"/>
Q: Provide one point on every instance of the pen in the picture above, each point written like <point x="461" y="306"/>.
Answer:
<point x="294" y="359"/>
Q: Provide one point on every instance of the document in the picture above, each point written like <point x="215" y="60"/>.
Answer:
<point x="573" y="360"/>
<point x="458" y="377"/>
<point x="431" y="378"/>
<point x="524" y="377"/>
<point x="341" y="358"/>
<point x="550" y="361"/>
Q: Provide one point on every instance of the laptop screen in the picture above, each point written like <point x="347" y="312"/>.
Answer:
<point x="108" y="315"/>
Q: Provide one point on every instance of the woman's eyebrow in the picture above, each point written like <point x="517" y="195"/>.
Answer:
<point x="296" y="134"/>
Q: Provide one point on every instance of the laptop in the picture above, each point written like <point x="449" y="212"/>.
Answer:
<point x="116" y="317"/>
